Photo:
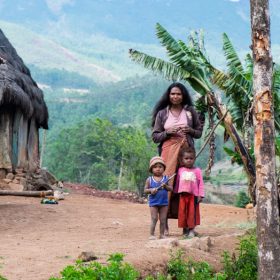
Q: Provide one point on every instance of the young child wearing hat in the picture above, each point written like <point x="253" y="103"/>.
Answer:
<point x="157" y="187"/>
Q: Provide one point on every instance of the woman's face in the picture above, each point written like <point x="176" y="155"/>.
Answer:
<point x="175" y="96"/>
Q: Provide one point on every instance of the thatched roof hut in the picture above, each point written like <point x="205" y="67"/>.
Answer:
<point x="22" y="112"/>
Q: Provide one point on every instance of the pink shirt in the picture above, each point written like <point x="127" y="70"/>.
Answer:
<point x="190" y="180"/>
<point x="179" y="121"/>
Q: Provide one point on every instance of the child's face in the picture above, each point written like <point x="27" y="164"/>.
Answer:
<point x="158" y="169"/>
<point x="188" y="160"/>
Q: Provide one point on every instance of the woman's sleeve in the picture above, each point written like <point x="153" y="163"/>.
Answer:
<point x="197" y="125"/>
<point x="200" y="183"/>
<point x="159" y="135"/>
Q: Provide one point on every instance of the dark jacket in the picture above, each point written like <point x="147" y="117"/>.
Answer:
<point x="159" y="135"/>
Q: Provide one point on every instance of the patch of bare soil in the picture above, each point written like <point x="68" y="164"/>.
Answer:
<point x="39" y="240"/>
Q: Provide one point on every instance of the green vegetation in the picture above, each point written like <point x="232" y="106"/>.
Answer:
<point x="115" y="270"/>
<point x="60" y="78"/>
<point x="242" y="266"/>
<point x="242" y="199"/>
<point x="98" y="152"/>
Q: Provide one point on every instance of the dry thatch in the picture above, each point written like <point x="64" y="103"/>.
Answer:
<point x="17" y="88"/>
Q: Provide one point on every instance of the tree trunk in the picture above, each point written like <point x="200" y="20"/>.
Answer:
<point x="241" y="149"/>
<point x="120" y="174"/>
<point x="266" y="187"/>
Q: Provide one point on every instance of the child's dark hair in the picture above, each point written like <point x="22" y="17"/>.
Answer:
<point x="183" y="151"/>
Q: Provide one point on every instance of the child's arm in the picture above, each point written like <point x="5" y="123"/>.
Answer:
<point x="147" y="188"/>
<point x="200" y="186"/>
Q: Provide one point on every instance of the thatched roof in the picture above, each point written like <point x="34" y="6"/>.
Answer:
<point x="17" y="88"/>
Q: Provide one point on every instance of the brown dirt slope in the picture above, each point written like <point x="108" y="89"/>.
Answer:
<point x="39" y="240"/>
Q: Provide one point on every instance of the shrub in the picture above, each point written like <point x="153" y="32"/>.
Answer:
<point x="244" y="266"/>
<point x="179" y="269"/>
<point x="242" y="199"/>
<point x="115" y="270"/>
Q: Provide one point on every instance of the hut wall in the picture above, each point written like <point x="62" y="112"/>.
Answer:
<point x="33" y="146"/>
<point x="22" y="143"/>
<point x="15" y="139"/>
<point x="5" y="140"/>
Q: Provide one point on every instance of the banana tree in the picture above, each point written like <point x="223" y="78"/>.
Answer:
<point x="189" y="62"/>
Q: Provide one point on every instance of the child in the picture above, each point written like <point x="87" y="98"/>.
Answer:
<point x="190" y="186"/>
<point x="157" y="186"/>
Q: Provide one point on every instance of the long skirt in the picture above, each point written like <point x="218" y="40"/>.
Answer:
<point x="170" y="152"/>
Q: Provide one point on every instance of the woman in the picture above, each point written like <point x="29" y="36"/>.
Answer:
<point x="175" y="123"/>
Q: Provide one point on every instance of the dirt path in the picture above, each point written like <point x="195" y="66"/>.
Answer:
<point x="37" y="240"/>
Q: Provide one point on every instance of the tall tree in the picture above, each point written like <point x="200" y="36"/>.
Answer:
<point x="263" y="117"/>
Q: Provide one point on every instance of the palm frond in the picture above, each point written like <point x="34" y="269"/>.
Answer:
<point x="235" y="68"/>
<point x="233" y="61"/>
<point x="237" y="114"/>
<point x="174" y="51"/>
<point x="190" y="59"/>
<point x="169" y="70"/>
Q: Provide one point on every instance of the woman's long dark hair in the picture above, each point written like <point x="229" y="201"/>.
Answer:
<point x="165" y="100"/>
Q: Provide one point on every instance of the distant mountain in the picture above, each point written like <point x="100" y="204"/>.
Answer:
<point x="93" y="37"/>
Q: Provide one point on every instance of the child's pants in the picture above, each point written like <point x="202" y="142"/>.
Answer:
<point x="188" y="215"/>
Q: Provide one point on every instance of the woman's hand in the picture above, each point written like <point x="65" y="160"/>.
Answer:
<point x="186" y="130"/>
<point x="172" y="130"/>
<point x="199" y="199"/>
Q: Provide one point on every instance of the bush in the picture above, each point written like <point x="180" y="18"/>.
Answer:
<point x="115" y="270"/>
<point x="179" y="269"/>
<point x="245" y="265"/>
<point x="242" y="199"/>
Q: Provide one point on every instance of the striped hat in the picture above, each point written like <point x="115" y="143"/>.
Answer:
<point x="155" y="160"/>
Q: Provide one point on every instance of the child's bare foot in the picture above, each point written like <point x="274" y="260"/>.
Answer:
<point x="166" y="232"/>
<point x="152" y="237"/>
<point x="162" y="236"/>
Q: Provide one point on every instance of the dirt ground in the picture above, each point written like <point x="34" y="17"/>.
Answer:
<point x="39" y="240"/>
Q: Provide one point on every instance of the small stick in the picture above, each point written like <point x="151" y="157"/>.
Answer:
<point x="166" y="182"/>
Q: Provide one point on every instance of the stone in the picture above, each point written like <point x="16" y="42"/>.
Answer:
<point x="4" y="186"/>
<point x="203" y="243"/>
<point x="10" y="176"/>
<point x="3" y="173"/>
<point x="23" y="182"/>
<point x="48" y="177"/>
<point x="7" y="181"/>
<point x="87" y="256"/>
<point x="19" y="170"/>
<point x="16" y="187"/>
